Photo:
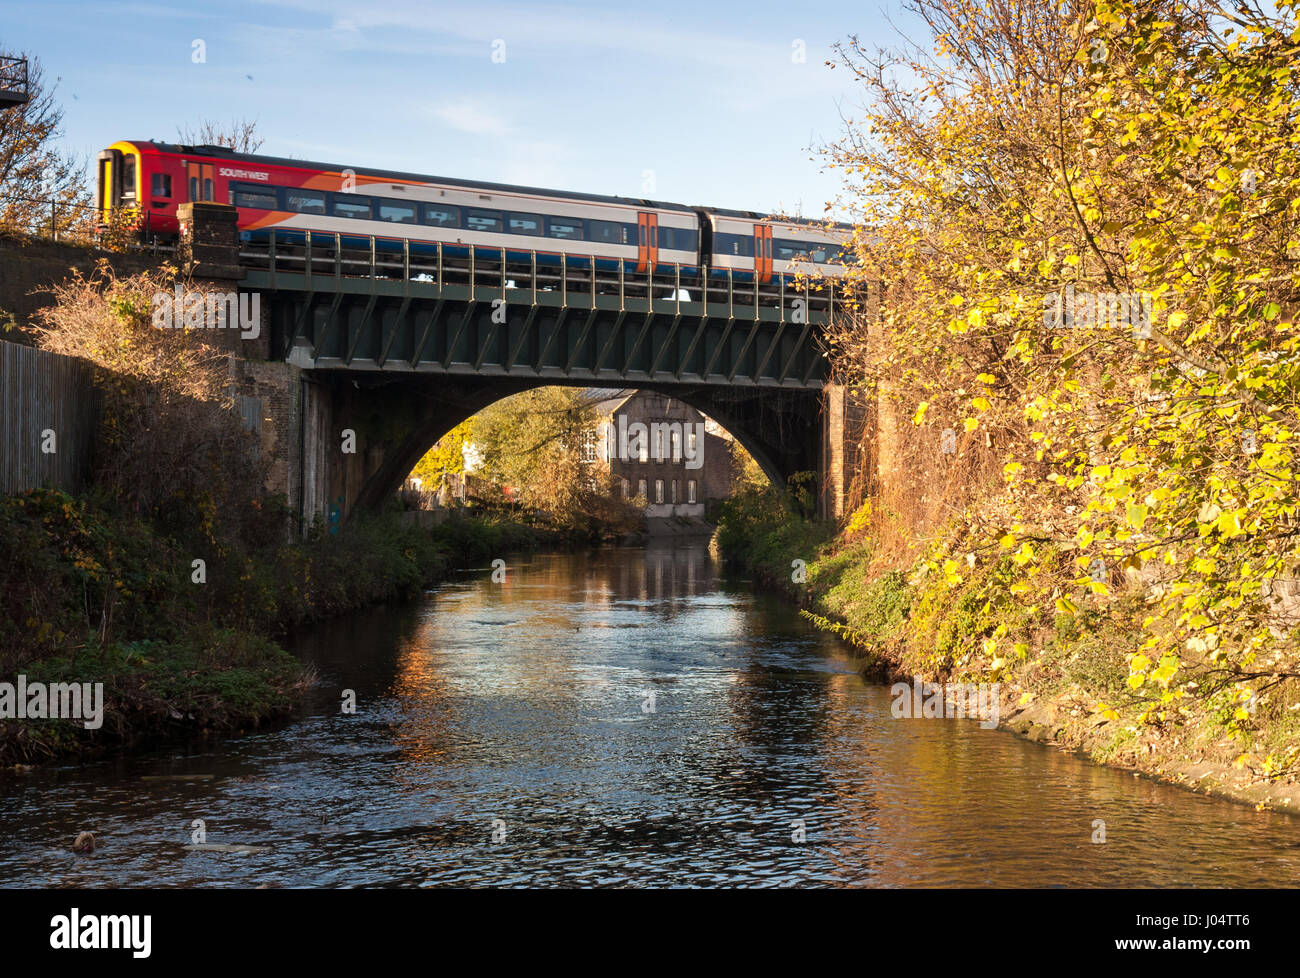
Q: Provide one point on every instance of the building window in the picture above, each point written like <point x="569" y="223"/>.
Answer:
<point x="627" y="488"/>
<point x="677" y="445"/>
<point x="674" y="491"/>
<point x="692" y="442"/>
<point x="589" y="445"/>
<point x="690" y="490"/>
<point x="659" y="490"/>
<point x="644" y="441"/>
<point x="640" y="488"/>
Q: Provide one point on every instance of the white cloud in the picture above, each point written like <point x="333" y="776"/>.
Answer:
<point x="471" y="118"/>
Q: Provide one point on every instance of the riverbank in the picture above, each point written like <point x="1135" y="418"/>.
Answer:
<point x="1063" y="668"/>
<point x="175" y="627"/>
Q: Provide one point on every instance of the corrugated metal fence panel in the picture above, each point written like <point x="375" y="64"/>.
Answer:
<point x="47" y="401"/>
<point x="250" y="410"/>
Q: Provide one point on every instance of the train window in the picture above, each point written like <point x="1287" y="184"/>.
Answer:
<point x="128" y="176"/>
<point x="305" y="201"/>
<point x="258" y="198"/>
<point x="398" y="213"/>
<point x="483" y="220"/>
<point x="345" y="205"/>
<point x="608" y="232"/>
<point x="564" y="227"/>
<point x="676" y="239"/>
<point x="440" y="215"/>
<point x="734" y="244"/>
<point x="526" y="224"/>
<point x="161" y="184"/>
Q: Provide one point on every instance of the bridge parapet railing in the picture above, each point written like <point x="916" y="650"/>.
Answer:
<point x="14" y="88"/>
<point x="487" y="273"/>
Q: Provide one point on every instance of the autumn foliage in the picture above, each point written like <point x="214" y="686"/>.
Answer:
<point x="1084" y="218"/>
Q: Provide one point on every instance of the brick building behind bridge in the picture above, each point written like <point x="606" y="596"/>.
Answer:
<point x="664" y="450"/>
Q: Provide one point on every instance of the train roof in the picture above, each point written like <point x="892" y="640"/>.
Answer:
<point x="225" y="152"/>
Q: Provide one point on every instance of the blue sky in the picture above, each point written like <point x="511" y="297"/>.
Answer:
<point x="687" y="102"/>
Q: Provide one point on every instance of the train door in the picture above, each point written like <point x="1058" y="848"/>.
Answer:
<point x="119" y="173"/>
<point x="647" y="240"/>
<point x="107" y="191"/>
<point x="763" y="252"/>
<point x="199" y="181"/>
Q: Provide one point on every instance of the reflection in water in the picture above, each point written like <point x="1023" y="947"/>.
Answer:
<point x="619" y="718"/>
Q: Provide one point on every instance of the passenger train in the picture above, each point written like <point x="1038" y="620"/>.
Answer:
<point x="294" y="196"/>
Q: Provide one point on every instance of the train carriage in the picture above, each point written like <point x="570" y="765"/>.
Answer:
<point x="746" y="244"/>
<point x="294" y="196"/>
<point x="459" y="219"/>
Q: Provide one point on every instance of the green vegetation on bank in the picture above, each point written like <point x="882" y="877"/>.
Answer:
<point x="1063" y="666"/>
<point x="165" y="578"/>
<point x="92" y="594"/>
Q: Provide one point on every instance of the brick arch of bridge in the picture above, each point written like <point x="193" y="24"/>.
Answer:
<point x="397" y="419"/>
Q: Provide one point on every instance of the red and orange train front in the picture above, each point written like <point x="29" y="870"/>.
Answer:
<point x="155" y="179"/>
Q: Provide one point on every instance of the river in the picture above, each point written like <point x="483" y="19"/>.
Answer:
<point x="619" y="718"/>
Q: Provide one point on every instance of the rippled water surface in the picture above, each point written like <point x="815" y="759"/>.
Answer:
<point x="505" y="735"/>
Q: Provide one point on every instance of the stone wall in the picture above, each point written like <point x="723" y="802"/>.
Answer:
<point x="848" y="452"/>
<point x="268" y="396"/>
<point x="29" y="265"/>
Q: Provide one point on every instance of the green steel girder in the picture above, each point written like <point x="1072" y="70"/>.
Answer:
<point x="403" y="325"/>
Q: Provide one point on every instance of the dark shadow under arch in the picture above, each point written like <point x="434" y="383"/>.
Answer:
<point x="780" y="428"/>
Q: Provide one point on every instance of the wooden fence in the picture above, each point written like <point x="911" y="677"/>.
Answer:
<point x="49" y="410"/>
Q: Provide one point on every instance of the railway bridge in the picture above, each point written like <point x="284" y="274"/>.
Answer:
<point x="367" y="336"/>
